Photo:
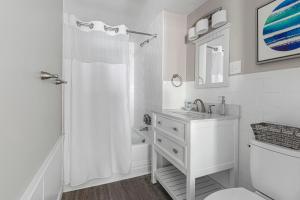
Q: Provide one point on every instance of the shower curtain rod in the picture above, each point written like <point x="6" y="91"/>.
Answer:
<point x="108" y="28"/>
<point x="141" y="33"/>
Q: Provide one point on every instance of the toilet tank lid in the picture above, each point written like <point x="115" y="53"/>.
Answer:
<point x="277" y="149"/>
<point x="234" y="194"/>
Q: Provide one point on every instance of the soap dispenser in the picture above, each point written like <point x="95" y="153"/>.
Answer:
<point x="223" y="106"/>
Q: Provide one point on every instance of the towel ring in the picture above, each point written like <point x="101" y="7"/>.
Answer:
<point x="176" y="78"/>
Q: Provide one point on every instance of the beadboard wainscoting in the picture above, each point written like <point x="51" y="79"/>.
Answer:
<point x="47" y="183"/>
<point x="268" y="96"/>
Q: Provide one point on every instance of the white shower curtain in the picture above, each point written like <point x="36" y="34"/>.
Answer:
<point x="97" y="120"/>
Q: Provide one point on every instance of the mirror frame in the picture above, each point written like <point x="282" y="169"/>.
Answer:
<point x="222" y="31"/>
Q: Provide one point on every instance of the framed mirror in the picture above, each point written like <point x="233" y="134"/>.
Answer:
<point x="212" y="59"/>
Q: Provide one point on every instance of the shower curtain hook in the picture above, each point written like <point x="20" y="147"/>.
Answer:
<point x="90" y="25"/>
<point x="108" y="28"/>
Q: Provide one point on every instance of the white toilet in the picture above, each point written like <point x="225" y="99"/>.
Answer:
<point x="275" y="173"/>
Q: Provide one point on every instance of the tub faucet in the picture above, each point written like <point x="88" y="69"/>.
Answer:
<point x="197" y="105"/>
<point x="144" y="129"/>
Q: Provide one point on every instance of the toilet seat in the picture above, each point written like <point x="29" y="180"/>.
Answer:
<point x="234" y="194"/>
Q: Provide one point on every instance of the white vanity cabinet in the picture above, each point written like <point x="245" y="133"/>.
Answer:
<point x="196" y="148"/>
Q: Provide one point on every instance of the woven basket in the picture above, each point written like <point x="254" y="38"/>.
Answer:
<point x="281" y="135"/>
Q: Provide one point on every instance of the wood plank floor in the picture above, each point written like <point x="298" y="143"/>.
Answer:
<point x="139" y="188"/>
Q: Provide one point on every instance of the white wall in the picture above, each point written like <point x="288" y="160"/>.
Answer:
<point x="174" y="58"/>
<point x="155" y="64"/>
<point x="173" y="97"/>
<point x="148" y="73"/>
<point x="269" y="96"/>
<point x="30" y="109"/>
<point x="174" y="47"/>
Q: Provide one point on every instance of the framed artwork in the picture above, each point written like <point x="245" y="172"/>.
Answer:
<point x="278" y="31"/>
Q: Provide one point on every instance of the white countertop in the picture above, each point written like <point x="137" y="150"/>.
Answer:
<point x="194" y="116"/>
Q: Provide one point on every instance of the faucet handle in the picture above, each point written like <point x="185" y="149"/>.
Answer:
<point x="210" y="109"/>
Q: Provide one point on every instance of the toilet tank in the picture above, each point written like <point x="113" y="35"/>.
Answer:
<point x="275" y="171"/>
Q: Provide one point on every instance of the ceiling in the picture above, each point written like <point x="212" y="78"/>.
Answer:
<point x="133" y="13"/>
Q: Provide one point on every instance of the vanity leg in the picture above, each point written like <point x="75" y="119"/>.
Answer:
<point x="234" y="172"/>
<point x="190" y="187"/>
<point x="153" y="166"/>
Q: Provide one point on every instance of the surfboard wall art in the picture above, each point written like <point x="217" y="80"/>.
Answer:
<point x="278" y="30"/>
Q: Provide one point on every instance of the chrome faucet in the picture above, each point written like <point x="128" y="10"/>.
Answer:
<point x="197" y="105"/>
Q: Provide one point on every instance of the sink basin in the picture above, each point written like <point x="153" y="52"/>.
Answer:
<point x="194" y="115"/>
<point x="190" y="114"/>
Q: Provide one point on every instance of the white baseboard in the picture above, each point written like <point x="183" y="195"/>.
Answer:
<point x="47" y="182"/>
<point x="140" y="168"/>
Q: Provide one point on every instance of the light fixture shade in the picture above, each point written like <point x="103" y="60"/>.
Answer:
<point x="192" y="34"/>
<point x="202" y="26"/>
<point x="219" y="19"/>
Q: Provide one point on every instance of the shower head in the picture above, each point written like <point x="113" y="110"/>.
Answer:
<point x="144" y="43"/>
<point x="216" y="49"/>
<point x="148" y="41"/>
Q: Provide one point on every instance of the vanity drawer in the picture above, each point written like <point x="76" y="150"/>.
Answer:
<point x="173" y="127"/>
<point x="176" y="151"/>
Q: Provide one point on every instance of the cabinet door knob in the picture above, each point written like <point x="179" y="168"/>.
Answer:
<point x="159" y="122"/>
<point x="159" y="140"/>
<point x="175" y="129"/>
<point x="175" y="151"/>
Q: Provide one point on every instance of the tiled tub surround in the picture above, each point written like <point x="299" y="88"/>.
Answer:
<point x="269" y="96"/>
<point x="148" y="73"/>
<point x="158" y="61"/>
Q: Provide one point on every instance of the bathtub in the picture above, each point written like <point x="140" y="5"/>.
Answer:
<point x="141" y="151"/>
<point x="140" y="136"/>
<point x="140" y="164"/>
